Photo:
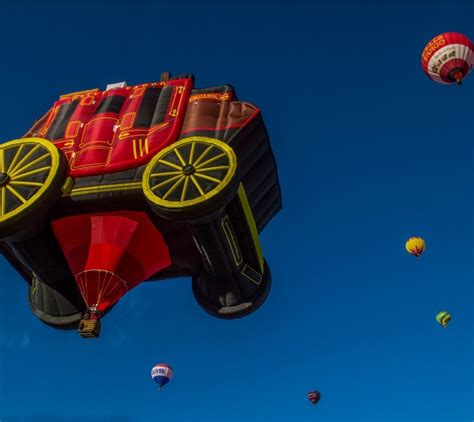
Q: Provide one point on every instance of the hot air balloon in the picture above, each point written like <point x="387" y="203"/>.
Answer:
<point x="415" y="246"/>
<point x="314" y="396"/>
<point x="448" y="58"/>
<point x="162" y="374"/>
<point x="443" y="318"/>
<point x="139" y="183"/>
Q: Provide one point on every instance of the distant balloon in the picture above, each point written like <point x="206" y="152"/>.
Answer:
<point x="314" y="396"/>
<point x="443" y="318"/>
<point x="162" y="374"/>
<point x="448" y="58"/>
<point x="415" y="246"/>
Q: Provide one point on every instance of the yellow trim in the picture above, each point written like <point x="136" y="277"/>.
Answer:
<point x="209" y="96"/>
<point x="159" y="158"/>
<point x="49" y="120"/>
<point x="52" y="172"/>
<point x="131" y="132"/>
<point x="244" y="202"/>
<point x="2" y="160"/>
<point x="87" y="100"/>
<point x="87" y="190"/>
<point x="73" y="128"/>
<point x="73" y="94"/>
<point x="4" y="198"/>
<point x="126" y="122"/>
<point x="138" y="91"/>
<point x="134" y="145"/>
<point x="67" y="186"/>
<point x="85" y="145"/>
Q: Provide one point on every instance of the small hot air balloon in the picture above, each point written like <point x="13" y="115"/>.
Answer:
<point x="162" y="374"/>
<point x="314" y="396"/>
<point x="448" y="58"/>
<point x="443" y="318"/>
<point x="415" y="246"/>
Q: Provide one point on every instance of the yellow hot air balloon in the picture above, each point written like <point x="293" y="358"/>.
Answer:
<point x="443" y="318"/>
<point x="415" y="246"/>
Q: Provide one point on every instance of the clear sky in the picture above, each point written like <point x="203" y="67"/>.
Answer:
<point x="369" y="152"/>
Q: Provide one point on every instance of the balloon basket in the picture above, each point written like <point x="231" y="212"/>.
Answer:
<point x="89" y="328"/>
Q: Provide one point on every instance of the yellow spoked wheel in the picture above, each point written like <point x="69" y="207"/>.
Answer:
<point x="191" y="178"/>
<point x="32" y="171"/>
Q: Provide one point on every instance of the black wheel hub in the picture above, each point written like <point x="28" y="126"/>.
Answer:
<point x="4" y="178"/>
<point x="188" y="169"/>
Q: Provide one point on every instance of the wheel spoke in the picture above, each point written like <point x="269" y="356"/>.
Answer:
<point x="203" y="155"/>
<point x="16" y="194"/>
<point x="172" y="165"/>
<point x="31" y="164"/>
<point x="213" y="168"/>
<point x="164" y="183"/>
<point x="4" y="201"/>
<point x="191" y="154"/>
<point x="185" y="189"/>
<point x="31" y="173"/>
<point x="211" y="179"/>
<point x="166" y="173"/>
<point x="16" y="157"/>
<point x="211" y="160"/>
<point x="198" y="186"/>
<point x="2" y="160"/>
<point x="173" y="188"/>
<point x="20" y="183"/>
<point x="28" y="155"/>
<point x="180" y="157"/>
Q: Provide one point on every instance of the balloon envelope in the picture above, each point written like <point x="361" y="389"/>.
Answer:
<point x="162" y="374"/>
<point x="415" y="246"/>
<point x="443" y="318"/>
<point x="448" y="58"/>
<point x="314" y="396"/>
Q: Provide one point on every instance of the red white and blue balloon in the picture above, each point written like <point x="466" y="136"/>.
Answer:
<point x="162" y="374"/>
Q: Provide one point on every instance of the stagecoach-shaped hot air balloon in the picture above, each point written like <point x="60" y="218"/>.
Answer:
<point x="139" y="183"/>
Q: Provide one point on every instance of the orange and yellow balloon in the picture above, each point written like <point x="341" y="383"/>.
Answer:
<point x="415" y="246"/>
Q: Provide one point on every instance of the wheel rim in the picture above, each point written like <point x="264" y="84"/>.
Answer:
<point x="27" y="169"/>
<point x="189" y="172"/>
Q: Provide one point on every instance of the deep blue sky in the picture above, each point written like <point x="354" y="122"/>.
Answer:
<point x="370" y="152"/>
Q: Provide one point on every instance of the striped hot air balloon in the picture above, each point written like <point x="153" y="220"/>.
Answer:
<point x="314" y="396"/>
<point x="415" y="246"/>
<point x="162" y="374"/>
<point x="448" y="58"/>
<point x="443" y="318"/>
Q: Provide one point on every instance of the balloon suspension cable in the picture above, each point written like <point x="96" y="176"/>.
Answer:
<point x="94" y="313"/>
